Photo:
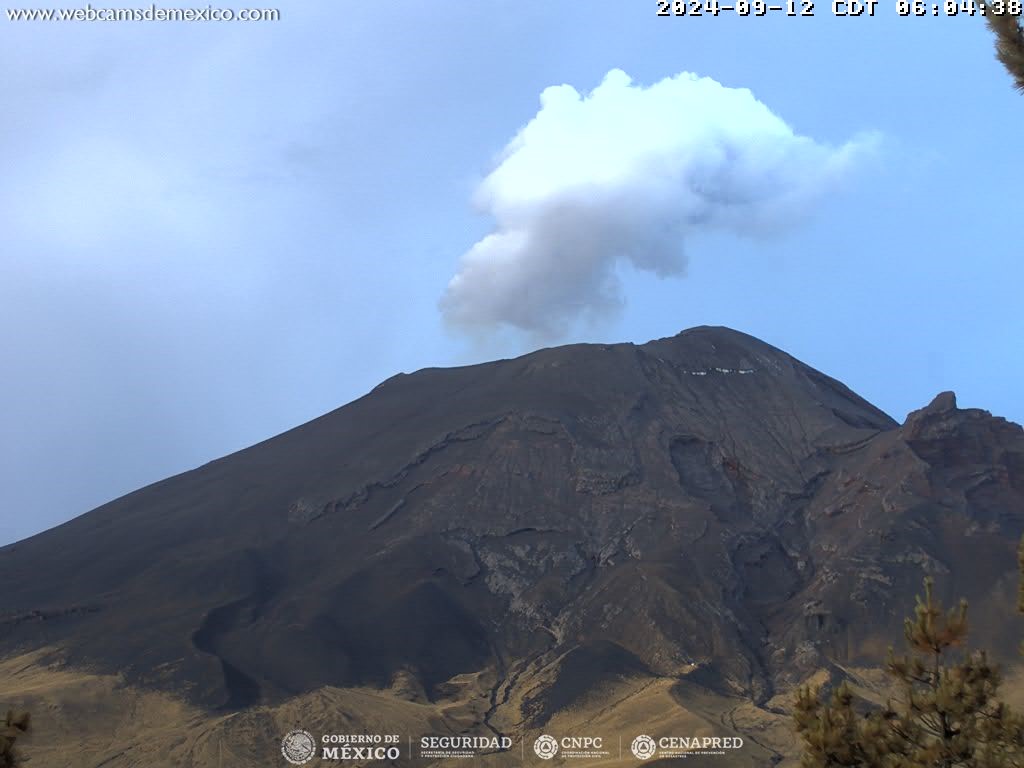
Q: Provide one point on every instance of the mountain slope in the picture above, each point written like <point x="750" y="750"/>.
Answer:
<point x="702" y="508"/>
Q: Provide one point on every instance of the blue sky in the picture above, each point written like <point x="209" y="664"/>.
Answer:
<point x="214" y="232"/>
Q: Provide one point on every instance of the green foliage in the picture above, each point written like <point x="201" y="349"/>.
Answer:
<point x="947" y="714"/>
<point x="836" y="735"/>
<point x="13" y="726"/>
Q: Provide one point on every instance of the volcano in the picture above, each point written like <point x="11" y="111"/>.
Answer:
<point x="616" y="537"/>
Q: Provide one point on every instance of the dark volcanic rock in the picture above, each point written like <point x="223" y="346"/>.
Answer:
<point x="701" y="504"/>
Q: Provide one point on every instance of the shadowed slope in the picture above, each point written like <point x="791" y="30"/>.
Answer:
<point x="703" y="506"/>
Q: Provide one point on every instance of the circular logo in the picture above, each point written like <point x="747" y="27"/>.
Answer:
<point x="298" y="747"/>
<point x="546" y="747"/>
<point x="643" y="747"/>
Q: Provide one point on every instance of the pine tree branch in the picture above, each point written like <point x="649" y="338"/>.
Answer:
<point x="1009" y="51"/>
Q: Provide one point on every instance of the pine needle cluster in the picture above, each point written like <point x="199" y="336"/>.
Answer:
<point x="946" y="714"/>
<point x="1009" y="43"/>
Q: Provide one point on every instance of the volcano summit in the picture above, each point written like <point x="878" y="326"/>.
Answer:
<point x="633" y="538"/>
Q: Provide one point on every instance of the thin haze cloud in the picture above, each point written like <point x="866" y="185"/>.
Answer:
<point x="628" y="173"/>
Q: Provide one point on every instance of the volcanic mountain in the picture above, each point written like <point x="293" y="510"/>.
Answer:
<point x="504" y="547"/>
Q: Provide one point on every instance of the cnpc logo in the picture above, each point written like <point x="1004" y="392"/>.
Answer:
<point x="546" y="747"/>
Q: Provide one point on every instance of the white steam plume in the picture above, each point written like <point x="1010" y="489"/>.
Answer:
<point x="626" y="172"/>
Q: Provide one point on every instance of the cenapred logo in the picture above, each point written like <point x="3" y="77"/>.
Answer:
<point x="298" y="747"/>
<point x="546" y="747"/>
<point x="643" y="747"/>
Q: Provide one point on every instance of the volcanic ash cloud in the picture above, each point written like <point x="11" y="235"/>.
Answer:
<point x="628" y="172"/>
